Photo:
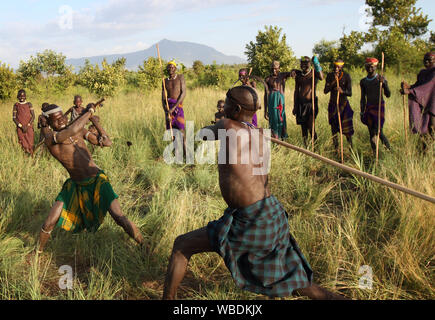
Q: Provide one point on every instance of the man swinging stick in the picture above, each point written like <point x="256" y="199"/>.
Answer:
<point x="87" y="195"/>
<point x="253" y="234"/>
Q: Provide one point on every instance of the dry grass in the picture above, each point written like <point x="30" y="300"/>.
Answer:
<point x="341" y="222"/>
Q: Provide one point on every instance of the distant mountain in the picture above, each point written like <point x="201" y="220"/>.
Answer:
<point x="181" y="51"/>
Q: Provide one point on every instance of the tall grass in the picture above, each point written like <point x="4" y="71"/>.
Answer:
<point x="341" y="222"/>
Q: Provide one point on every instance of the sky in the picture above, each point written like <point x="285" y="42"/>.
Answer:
<point x="79" y="28"/>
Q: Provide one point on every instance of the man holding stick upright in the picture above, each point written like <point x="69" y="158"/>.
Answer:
<point x="370" y="90"/>
<point x="303" y="96"/>
<point x="175" y="87"/>
<point x="87" y="195"/>
<point x="421" y="97"/>
<point x="341" y="90"/>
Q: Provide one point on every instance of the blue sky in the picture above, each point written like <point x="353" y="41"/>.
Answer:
<point x="119" y="26"/>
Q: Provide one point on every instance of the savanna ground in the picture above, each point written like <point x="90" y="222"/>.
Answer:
<point x="341" y="222"/>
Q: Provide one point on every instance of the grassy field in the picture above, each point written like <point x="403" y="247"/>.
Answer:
<point x="341" y="222"/>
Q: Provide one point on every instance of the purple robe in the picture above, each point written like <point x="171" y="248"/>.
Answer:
<point x="177" y="116"/>
<point x="254" y="120"/>
<point x="422" y="101"/>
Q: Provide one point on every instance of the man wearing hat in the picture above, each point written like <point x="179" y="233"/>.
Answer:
<point x="344" y="88"/>
<point x="175" y="92"/>
<point x="370" y="90"/>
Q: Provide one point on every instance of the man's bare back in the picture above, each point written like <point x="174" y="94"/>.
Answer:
<point x="240" y="187"/>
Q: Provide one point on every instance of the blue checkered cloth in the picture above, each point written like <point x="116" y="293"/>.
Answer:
<point x="259" y="250"/>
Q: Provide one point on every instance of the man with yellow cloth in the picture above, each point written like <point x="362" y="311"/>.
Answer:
<point x="175" y="93"/>
<point x="88" y="195"/>
<point x="339" y="83"/>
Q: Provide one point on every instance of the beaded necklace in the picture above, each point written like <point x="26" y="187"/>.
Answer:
<point x="370" y="79"/>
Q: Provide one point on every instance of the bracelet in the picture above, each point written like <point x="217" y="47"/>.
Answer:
<point x="46" y="232"/>
<point x="91" y="110"/>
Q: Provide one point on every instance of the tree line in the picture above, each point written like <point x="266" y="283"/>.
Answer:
<point x="398" y="28"/>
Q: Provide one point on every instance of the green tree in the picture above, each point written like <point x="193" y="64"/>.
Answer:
<point x="8" y="82"/>
<point x="269" y="45"/>
<point x="350" y="46"/>
<point x="105" y="81"/>
<point x="47" y="68"/>
<point x="326" y="51"/>
<point x="397" y="30"/>
<point x="150" y="74"/>
<point x="198" y="67"/>
<point x="402" y="15"/>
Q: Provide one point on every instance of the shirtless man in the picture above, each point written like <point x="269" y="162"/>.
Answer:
<point x="274" y="102"/>
<point x="421" y="97"/>
<point x="303" y="101"/>
<point x="346" y="112"/>
<point x="176" y="92"/>
<point x="253" y="234"/>
<point x="87" y="196"/>
<point x="370" y="87"/>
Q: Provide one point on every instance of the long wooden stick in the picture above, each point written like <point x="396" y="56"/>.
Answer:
<point x="166" y="94"/>
<point x="356" y="171"/>
<point x="404" y="117"/>
<point x="314" y="110"/>
<point x="379" y="111"/>
<point x="339" y="119"/>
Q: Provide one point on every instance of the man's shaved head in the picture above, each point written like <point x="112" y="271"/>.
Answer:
<point x="244" y="96"/>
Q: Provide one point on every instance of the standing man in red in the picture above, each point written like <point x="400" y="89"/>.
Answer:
<point x="23" y="117"/>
